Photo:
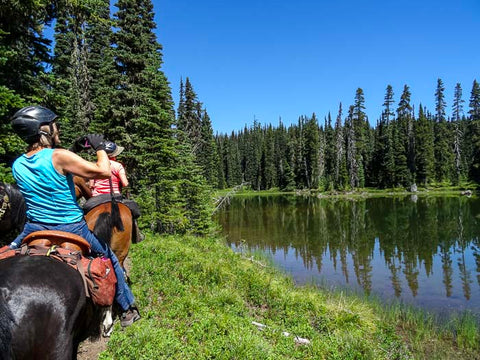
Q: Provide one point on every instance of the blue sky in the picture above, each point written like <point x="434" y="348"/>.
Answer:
<point x="269" y="59"/>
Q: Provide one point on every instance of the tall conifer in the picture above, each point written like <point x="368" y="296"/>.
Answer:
<point x="443" y="146"/>
<point x="474" y="130"/>
<point x="458" y="132"/>
<point x="424" y="138"/>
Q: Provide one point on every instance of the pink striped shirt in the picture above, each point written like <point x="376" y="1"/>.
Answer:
<point x="102" y="186"/>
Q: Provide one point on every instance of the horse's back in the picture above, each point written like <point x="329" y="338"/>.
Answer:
<point x="45" y="299"/>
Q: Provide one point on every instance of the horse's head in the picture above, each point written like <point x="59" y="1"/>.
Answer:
<point x="12" y="212"/>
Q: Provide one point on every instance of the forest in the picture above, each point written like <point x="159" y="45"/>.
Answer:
<point x="406" y="148"/>
<point x="102" y="73"/>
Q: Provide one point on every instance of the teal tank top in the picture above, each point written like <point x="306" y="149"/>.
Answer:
<point x="49" y="195"/>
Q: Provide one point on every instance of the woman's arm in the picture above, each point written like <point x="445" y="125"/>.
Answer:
<point x="66" y="161"/>
<point x="123" y="177"/>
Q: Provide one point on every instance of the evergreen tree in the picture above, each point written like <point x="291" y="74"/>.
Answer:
<point x="141" y="117"/>
<point x="388" y="113"/>
<point x="442" y="146"/>
<point x="362" y="137"/>
<point x="458" y="142"/>
<point x="312" y="156"/>
<point x="285" y="176"/>
<point x="23" y="61"/>
<point x="402" y="140"/>
<point x="268" y="159"/>
<point x="25" y="48"/>
<point x="100" y="63"/>
<point x="330" y="155"/>
<point x="252" y="155"/>
<point x="425" y="160"/>
<point x="474" y="130"/>
<point x="340" y="169"/>
<point x="220" y="142"/>
<point x="207" y="157"/>
<point x="234" y="175"/>
<point x="351" y="150"/>
<point x="189" y="115"/>
<point x="475" y="102"/>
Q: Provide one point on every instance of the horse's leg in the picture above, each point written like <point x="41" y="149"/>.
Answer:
<point x="107" y="323"/>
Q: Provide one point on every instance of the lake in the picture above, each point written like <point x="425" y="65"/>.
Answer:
<point x="423" y="251"/>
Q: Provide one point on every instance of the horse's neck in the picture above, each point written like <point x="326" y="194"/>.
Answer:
<point x="82" y="186"/>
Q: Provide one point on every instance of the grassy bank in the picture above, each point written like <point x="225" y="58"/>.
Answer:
<point x="435" y="189"/>
<point x="199" y="299"/>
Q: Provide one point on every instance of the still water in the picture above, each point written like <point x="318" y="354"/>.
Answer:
<point x="424" y="251"/>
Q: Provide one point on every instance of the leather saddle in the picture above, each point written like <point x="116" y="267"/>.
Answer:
<point x="61" y="239"/>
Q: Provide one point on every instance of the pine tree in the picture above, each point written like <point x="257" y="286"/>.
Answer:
<point x="312" y="156"/>
<point x="268" y="172"/>
<point x="219" y="143"/>
<point x="329" y="153"/>
<point x="285" y="176"/>
<point x="458" y="142"/>
<point x="474" y="130"/>
<point x="207" y="157"/>
<point x="384" y="160"/>
<point x="340" y="169"/>
<point x="101" y="64"/>
<point x="362" y="137"/>
<point x="252" y="155"/>
<point x="402" y="140"/>
<point x="388" y="113"/>
<point x="475" y="102"/>
<point x="141" y="118"/>
<point x="233" y="171"/>
<point x="23" y="69"/>
<point x="351" y="150"/>
<point x="442" y="146"/>
<point x="425" y="160"/>
<point x="24" y="58"/>
<point x="189" y="115"/>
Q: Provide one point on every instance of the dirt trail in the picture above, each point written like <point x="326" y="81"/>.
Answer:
<point x="90" y="350"/>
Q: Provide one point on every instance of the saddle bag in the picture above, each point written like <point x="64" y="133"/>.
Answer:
<point x="101" y="279"/>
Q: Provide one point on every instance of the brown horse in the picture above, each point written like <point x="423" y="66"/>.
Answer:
<point x="112" y="226"/>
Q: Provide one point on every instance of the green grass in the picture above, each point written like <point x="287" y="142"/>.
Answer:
<point x="198" y="300"/>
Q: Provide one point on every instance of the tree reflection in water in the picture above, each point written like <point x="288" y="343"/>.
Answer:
<point x="404" y="247"/>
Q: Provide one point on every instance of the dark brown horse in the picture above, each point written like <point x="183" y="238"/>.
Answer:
<point x="44" y="311"/>
<point x="111" y="221"/>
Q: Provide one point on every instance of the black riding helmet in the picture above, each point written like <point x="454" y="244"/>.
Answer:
<point x="26" y="122"/>
<point x="112" y="149"/>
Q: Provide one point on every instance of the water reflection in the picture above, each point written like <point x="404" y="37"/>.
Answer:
<point x="423" y="250"/>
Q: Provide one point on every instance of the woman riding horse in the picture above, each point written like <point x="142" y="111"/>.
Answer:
<point x="44" y="177"/>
